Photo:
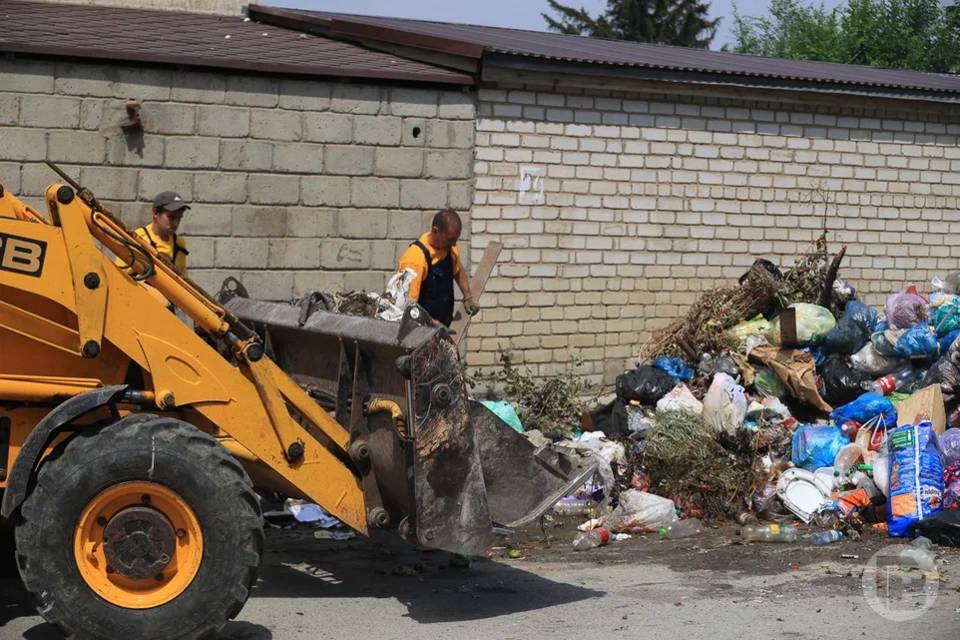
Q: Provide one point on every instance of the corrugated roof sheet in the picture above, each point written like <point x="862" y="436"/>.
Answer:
<point x="197" y="39"/>
<point x="579" y="49"/>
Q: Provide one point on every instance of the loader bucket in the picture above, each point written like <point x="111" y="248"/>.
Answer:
<point x="448" y="473"/>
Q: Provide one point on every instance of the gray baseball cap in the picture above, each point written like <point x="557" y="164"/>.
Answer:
<point x="169" y="201"/>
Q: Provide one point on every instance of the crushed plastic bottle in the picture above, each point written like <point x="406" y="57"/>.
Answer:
<point x="891" y="382"/>
<point x="919" y="554"/>
<point x="823" y="538"/>
<point x="681" y="529"/>
<point x="769" y="533"/>
<point x="592" y="539"/>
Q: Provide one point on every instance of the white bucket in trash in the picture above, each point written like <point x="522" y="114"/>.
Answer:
<point x="802" y="492"/>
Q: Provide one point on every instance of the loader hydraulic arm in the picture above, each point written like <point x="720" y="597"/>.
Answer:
<point x="302" y="443"/>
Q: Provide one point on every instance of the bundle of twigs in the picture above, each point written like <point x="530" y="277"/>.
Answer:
<point x="687" y="464"/>
<point x="701" y="329"/>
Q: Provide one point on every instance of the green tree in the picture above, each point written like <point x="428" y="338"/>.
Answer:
<point x="677" y="22"/>
<point x="894" y="34"/>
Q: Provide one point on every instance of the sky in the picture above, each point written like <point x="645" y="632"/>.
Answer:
<point x="519" y="14"/>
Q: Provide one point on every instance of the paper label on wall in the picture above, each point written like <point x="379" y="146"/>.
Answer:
<point x="531" y="185"/>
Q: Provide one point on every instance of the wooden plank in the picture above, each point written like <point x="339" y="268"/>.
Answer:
<point x="461" y="319"/>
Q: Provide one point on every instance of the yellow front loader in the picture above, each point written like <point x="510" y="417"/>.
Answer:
<point x="134" y="447"/>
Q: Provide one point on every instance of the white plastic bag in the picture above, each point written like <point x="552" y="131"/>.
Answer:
<point x="640" y="512"/>
<point x="680" y="399"/>
<point x="394" y="302"/>
<point x="868" y="360"/>
<point x="725" y="405"/>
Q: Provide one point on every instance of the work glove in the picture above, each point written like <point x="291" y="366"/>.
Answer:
<point x="471" y="307"/>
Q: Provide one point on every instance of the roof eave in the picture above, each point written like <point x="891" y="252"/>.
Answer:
<point x="495" y="63"/>
<point x="238" y="65"/>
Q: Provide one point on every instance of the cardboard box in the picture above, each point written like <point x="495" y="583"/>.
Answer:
<point x="925" y="402"/>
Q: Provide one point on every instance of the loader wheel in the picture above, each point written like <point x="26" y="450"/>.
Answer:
<point x="143" y="528"/>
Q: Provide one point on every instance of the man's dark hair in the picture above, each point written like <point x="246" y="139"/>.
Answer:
<point x="447" y="219"/>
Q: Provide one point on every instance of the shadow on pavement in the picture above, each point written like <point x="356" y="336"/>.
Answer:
<point x="15" y="603"/>
<point x="297" y="566"/>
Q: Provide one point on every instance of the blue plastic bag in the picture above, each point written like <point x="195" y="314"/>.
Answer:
<point x="916" y="477"/>
<point x="861" y="315"/>
<point x="865" y="408"/>
<point x="948" y="340"/>
<point x="819" y="354"/>
<point x="919" y="341"/>
<point x="505" y="412"/>
<point x="816" y="445"/>
<point x="679" y="370"/>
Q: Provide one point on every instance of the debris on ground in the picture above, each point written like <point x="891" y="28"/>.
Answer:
<point x="784" y="403"/>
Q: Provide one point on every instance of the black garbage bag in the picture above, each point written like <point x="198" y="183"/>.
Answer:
<point x="944" y="373"/>
<point x="645" y="384"/>
<point x="847" y="337"/>
<point x="611" y="418"/>
<point x="841" y="382"/>
<point x="942" y="528"/>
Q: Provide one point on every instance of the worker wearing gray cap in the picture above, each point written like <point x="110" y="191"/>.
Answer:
<point x="161" y="234"/>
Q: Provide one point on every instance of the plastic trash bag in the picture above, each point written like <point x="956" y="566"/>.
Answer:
<point x="861" y="314"/>
<point x="739" y="333"/>
<point x="506" y="412"/>
<point x="843" y="292"/>
<point x="905" y="309"/>
<point x="397" y="296"/>
<point x="865" y="408"/>
<point x="813" y="323"/>
<point x="680" y="399"/>
<point x="949" y="285"/>
<point x="679" y="370"/>
<point x="942" y="529"/>
<point x="947" y="341"/>
<point x="869" y="361"/>
<point x="950" y="446"/>
<point x="842" y="383"/>
<point x="645" y="384"/>
<point x="816" y="445"/>
<point x="916" y="477"/>
<point x="846" y="338"/>
<point x="725" y="405"/>
<point x="640" y="512"/>
<point x="766" y="382"/>
<point x="946" y="317"/>
<point x="919" y="341"/>
<point x="853" y="330"/>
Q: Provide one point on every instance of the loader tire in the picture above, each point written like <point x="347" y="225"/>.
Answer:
<point x="113" y="494"/>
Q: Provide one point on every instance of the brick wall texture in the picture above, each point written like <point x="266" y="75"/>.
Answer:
<point x="296" y="184"/>
<point x="649" y="200"/>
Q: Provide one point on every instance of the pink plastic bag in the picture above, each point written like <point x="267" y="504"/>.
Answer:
<point x="906" y="308"/>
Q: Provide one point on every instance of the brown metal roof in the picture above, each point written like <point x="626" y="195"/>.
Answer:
<point x="197" y="39"/>
<point x="446" y="37"/>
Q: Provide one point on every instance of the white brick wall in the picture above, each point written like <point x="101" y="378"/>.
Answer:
<point x="296" y="184"/>
<point x="649" y="200"/>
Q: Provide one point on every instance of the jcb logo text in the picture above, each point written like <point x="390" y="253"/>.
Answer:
<point x="22" y="255"/>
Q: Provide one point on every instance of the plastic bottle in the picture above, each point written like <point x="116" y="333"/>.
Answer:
<point x="893" y="381"/>
<point x="591" y="539"/>
<point x="823" y="538"/>
<point x="919" y="554"/>
<point x="847" y="458"/>
<point x="769" y="533"/>
<point x="681" y="529"/>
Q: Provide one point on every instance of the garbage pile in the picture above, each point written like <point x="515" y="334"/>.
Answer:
<point x="788" y="399"/>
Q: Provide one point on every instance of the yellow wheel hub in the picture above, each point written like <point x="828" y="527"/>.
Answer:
<point x="138" y="545"/>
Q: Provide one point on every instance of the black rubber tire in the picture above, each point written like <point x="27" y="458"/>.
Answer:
<point x="185" y="460"/>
